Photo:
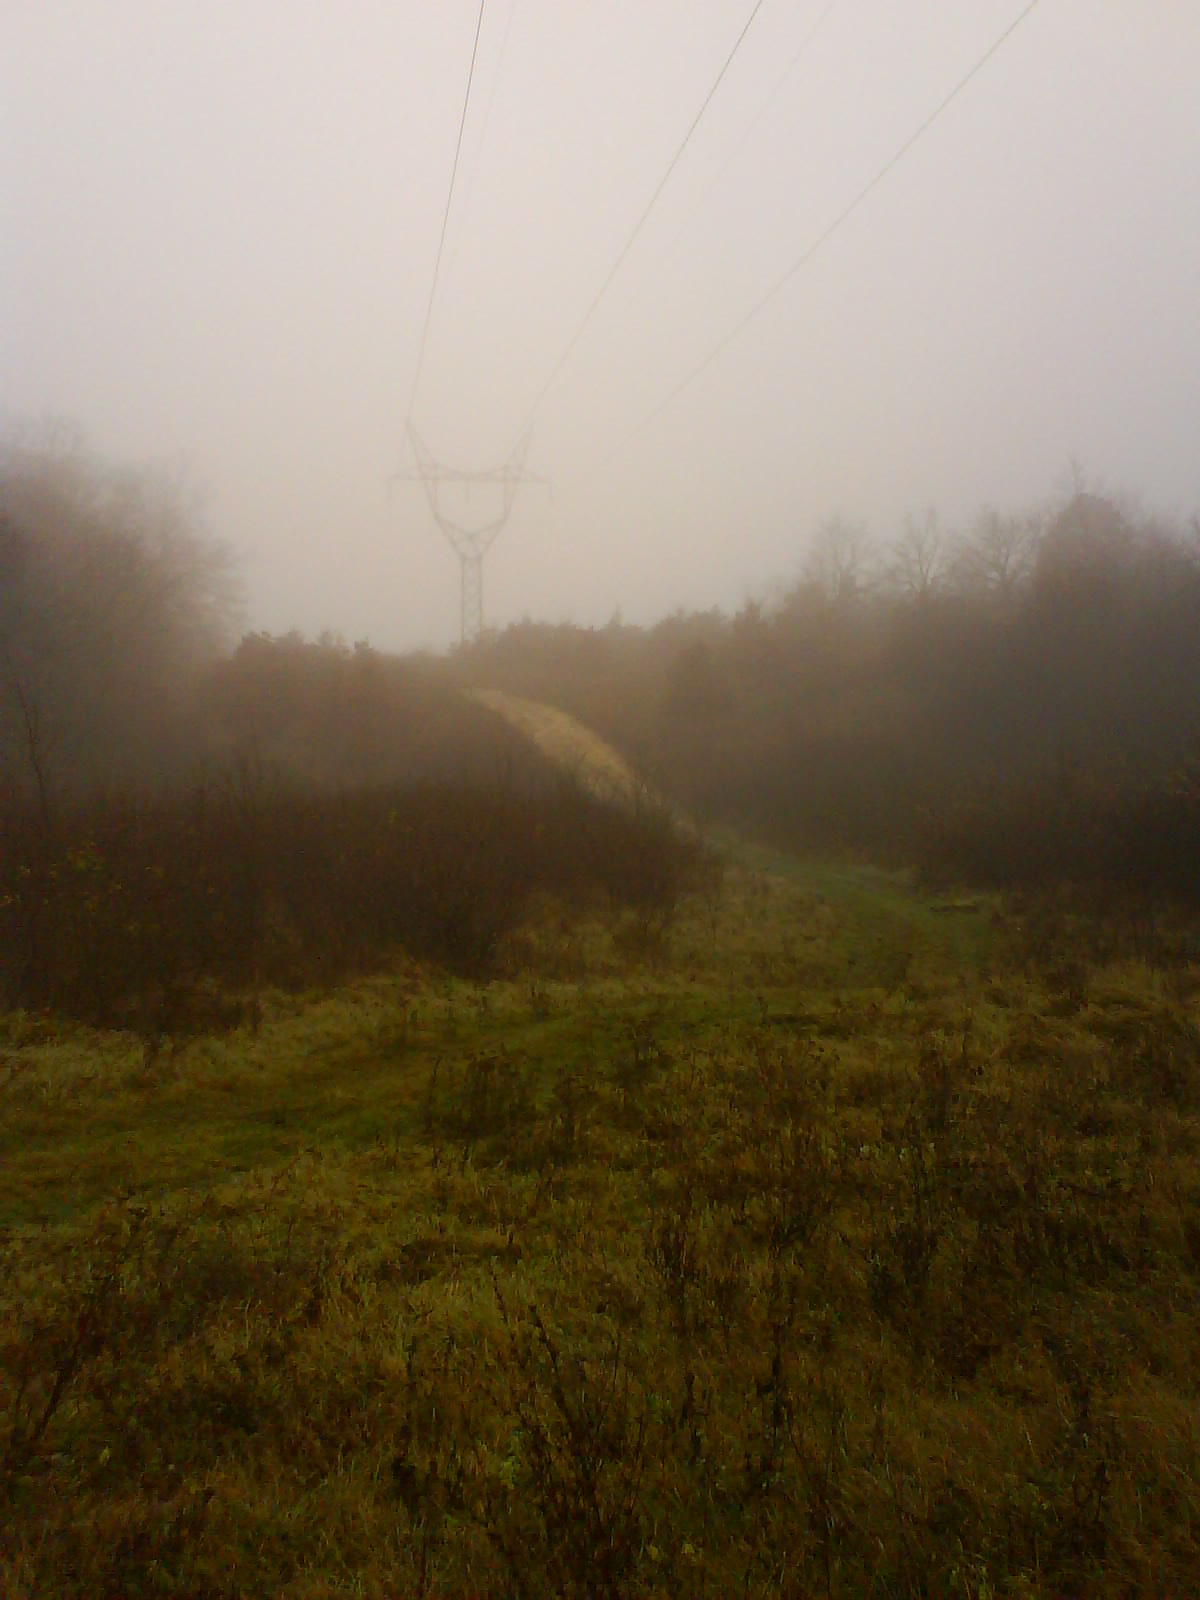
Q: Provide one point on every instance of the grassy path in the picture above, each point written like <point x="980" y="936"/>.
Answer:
<point x="884" y="920"/>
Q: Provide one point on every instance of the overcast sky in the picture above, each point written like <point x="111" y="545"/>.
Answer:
<point x="219" y="221"/>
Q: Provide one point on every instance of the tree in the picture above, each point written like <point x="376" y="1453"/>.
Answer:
<point x="999" y="554"/>
<point x="694" y="687"/>
<point x="112" y="596"/>
<point x="918" y="555"/>
<point x="839" y="558"/>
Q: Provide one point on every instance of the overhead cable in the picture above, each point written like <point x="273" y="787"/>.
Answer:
<point x="446" y="215"/>
<point x="764" y="106"/>
<point x="822" y="238"/>
<point x="638" y="225"/>
<point x="491" y="100"/>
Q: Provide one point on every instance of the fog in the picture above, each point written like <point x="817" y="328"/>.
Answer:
<point x="220" y="226"/>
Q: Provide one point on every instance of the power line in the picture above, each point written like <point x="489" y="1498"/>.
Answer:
<point x="487" y="110"/>
<point x="822" y="239"/>
<point x="639" y="224"/>
<point x="446" y="214"/>
<point x="764" y="106"/>
<point x="485" y="121"/>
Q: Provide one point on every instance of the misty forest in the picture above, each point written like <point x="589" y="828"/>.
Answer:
<point x="628" y="1079"/>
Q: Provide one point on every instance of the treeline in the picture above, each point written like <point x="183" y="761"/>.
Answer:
<point x="1019" y="706"/>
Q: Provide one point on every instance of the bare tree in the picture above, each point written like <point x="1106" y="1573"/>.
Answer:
<point x="918" y="556"/>
<point x="840" y="558"/>
<point x="999" y="554"/>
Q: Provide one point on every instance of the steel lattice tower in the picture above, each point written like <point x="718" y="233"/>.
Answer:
<point x="470" y="544"/>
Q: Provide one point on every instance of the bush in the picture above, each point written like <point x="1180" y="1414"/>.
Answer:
<point x="151" y="910"/>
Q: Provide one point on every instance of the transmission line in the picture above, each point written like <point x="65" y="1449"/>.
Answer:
<point x="437" y="267"/>
<point x="639" y="224"/>
<point x="487" y="110"/>
<point x="824" y="237"/>
<point x="764" y="106"/>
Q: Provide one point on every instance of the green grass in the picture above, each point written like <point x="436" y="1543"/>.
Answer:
<point x="817" y="1244"/>
<point x="879" y="916"/>
<point x="349" y="1067"/>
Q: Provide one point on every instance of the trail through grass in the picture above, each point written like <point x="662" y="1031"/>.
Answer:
<point x="881" y="918"/>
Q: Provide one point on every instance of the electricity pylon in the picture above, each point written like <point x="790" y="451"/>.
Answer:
<point x="469" y="544"/>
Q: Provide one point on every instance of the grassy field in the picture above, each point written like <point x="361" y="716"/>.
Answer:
<point x="819" y="1242"/>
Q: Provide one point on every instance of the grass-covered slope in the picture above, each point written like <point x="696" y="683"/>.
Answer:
<point x="821" y="1245"/>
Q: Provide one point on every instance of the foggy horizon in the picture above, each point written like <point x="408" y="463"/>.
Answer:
<point x="223" y="226"/>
